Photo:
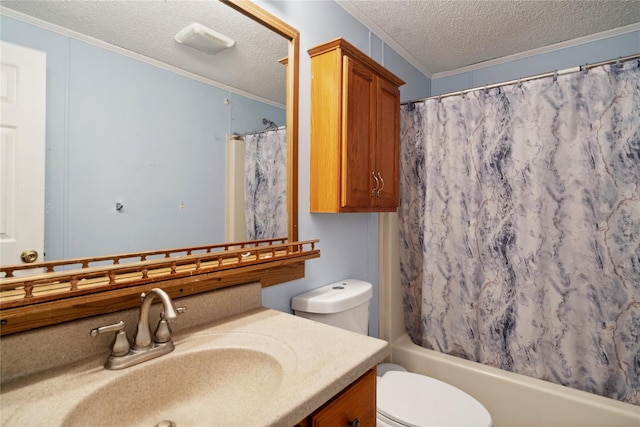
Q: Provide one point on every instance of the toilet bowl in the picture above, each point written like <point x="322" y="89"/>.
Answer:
<point x="408" y="399"/>
<point x="403" y="398"/>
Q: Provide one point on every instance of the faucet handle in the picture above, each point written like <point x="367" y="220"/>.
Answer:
<point x="121" y="344"/>
<point x="179" y="311"/>
<point x="163" y="331"/>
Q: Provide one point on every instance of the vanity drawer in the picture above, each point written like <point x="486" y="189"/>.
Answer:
<point x="353" y="406"/>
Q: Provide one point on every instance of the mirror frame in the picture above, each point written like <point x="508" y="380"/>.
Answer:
<point x="268" y="270"/>
<point x="263" y="17"/>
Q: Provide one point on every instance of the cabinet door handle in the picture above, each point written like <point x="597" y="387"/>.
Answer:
<point x="381" y="181"/>
<point x="375" y="190"/>
<point x="354" y="423"/>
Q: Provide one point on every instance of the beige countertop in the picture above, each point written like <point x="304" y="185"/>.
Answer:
<point x="314" y="362"/>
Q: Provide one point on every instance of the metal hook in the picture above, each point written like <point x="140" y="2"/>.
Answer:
<point x="271" y="125"/>
<point x="119" y="206"/>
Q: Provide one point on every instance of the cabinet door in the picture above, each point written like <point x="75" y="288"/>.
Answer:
<point x="388" y="141"/>
<point x="358" y="135"/>
<point x="356" y="402"/>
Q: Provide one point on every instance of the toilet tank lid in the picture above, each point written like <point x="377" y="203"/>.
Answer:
<point x="334" y="298"/>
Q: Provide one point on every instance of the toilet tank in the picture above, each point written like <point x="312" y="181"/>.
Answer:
<point x="344" y="304"/>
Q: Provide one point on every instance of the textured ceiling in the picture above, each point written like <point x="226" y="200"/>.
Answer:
<point x="435" y="35"/>
<point x="443" y="35"/>
<point x="148" y="28"/>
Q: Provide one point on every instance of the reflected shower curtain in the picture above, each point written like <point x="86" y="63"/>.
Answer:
<point x="520" y="228"/>
<point x="265" y="177"/>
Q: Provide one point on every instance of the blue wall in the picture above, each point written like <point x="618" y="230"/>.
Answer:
<point x="348" y="242"/>
<point x="591" y="52"/>
<point x="86" y="82"/>
<point x="122" y="130"/>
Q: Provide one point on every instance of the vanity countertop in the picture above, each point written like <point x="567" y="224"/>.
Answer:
<point x="316" y="362"/>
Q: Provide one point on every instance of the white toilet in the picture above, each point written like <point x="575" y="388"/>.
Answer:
<point x="403" y="398"/>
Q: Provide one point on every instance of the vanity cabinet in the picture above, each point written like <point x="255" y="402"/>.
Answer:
<point x="355" y="131"/>
<point x="354" y="406"/>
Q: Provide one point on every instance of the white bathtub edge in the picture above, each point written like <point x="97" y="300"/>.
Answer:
<point x="514" y="399"/>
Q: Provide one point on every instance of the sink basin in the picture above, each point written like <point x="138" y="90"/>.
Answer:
<point x="203" y="387"/>
<point x="262" y="368"/>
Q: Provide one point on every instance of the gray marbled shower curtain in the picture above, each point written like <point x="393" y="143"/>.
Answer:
<point x="520" y="228"/>
<point x="265" y="178"/>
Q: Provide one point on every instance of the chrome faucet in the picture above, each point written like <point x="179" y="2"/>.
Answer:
<point x="143" y="333"/>
<point x="144" y="347"/>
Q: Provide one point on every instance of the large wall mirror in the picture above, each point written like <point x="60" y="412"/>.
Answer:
<point x="136" y="151"/>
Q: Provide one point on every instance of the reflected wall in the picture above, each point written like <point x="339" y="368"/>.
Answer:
<point x="121" y="130"/>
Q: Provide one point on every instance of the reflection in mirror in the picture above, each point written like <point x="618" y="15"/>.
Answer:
<point x="136" y="142"/>
<point x="257" y="163"/>
<point x="125" y="149"/>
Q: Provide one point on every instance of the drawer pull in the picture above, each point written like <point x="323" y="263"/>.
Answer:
<point x="354" y="423"/>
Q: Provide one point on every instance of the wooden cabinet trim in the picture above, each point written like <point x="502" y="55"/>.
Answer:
<point x="352" y="51"/>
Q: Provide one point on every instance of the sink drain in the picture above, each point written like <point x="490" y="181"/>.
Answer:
<point x="165" y="423"/>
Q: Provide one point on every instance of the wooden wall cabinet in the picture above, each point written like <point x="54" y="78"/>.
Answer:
<point x="355" y="131"/>
<point x="354" y="406"/>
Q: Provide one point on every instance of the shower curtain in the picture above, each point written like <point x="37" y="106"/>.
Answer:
<point x="265" y="178"/>
<point x="520" y="228"/>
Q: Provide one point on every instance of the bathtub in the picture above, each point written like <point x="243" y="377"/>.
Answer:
<point x="511" y="399"/>
<point x="514" y="399"/>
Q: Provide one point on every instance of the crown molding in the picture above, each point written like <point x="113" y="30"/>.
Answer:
<point x="372" y="26"/>
<point x="542" y="50"/>
<point x="133" y="55"/>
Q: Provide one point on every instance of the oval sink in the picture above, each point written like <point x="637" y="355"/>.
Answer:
<point x="205" y="387"/>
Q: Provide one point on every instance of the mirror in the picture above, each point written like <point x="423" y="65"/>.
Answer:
<point x="126" y="201"/>
<point x="114" y="286"/>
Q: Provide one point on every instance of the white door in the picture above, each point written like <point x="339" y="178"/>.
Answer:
<point x="22" y="152"/>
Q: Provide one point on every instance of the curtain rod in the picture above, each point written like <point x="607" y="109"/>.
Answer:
<point x="553" y="74"/>
<point x="237" y="135"/>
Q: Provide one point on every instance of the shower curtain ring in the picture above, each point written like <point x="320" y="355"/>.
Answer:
<point x="618" y="63"/>
<point x="555" y="75"/>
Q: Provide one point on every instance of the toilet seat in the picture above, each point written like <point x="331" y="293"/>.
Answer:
<point x="415" y="400"/>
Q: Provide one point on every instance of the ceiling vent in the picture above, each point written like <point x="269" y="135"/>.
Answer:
<point x="204" y="39"/>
